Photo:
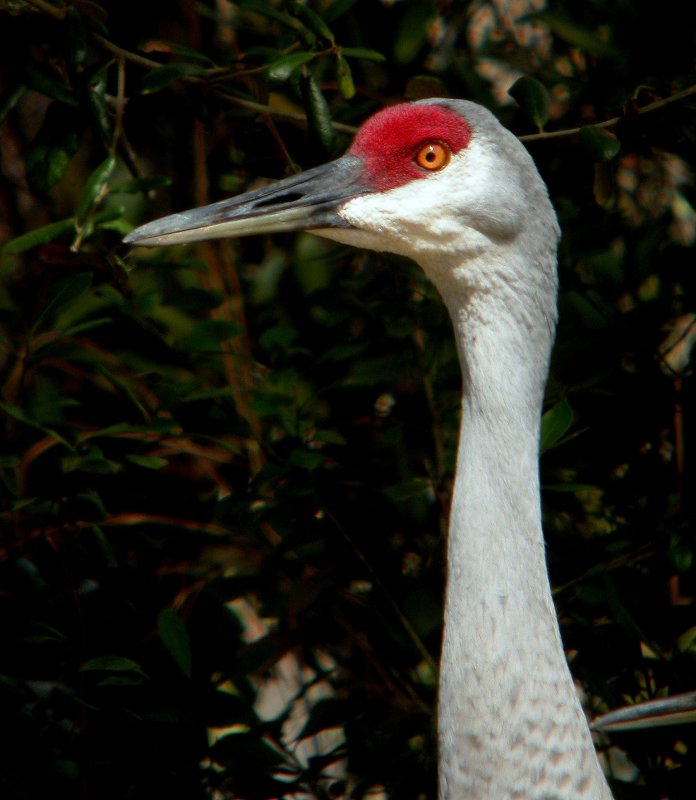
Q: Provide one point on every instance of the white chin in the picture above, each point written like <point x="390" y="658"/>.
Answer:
<point x="351" y="236"/>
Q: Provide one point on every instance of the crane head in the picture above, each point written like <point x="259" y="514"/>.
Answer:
<point x="420" y="179"/>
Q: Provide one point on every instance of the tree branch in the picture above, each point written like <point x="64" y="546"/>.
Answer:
<point x="610" y="123"/>
<point x="298" y="116"/>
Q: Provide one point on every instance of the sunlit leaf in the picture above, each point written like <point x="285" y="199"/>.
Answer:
<point x="344" y="78"/>
<point x="95" y="187"/>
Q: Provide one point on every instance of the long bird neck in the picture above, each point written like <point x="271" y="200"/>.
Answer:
<point x="510" y="723"/>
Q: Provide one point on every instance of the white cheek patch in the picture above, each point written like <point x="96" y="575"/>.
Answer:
<point x="469" y="199"/>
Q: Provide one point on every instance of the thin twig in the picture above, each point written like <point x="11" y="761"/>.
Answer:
<point x="134" y="58"/>
<point x="610" y="123"/>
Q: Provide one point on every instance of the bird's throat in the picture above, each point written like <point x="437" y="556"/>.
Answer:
<point x="507" y="699"/>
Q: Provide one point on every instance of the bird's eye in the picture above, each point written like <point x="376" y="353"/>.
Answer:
<point x="433" y="156"/>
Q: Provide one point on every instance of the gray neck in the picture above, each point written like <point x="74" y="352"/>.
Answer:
<point x="510" y="724"/>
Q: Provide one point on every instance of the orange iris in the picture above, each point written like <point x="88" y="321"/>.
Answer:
<point x="433" y="156"/>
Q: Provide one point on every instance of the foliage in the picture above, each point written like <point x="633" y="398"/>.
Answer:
<point x="227" y="467"/>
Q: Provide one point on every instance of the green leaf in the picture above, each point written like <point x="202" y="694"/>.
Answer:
<point x="598" y="143"/>
<point x="267" y="10"/>
<point x="17" y="413"/>
<point x="279" y="337"/>
<point x="282" y="68"/>
<point x="329" y="437"/>
<point x="344" y="78"/>
<point x="338" y="9"/>
<point x="112" y="664"/>
<point x="48" y="82"/>
<point x="65" y="291"/>
<point x="93" y="462"/>
<point x="122" y="679"/>
<point x="10" y="100"/>
<point x="164" y="76"/>
<point x="318" y="112"/>
<point x="314" y="22"/>
<point x="587" y="308"/>
<point x="415" y="487"/>
<point x="141" y="185"/>
<point x="681" y="553"/>
<point x="533" y="98"/>
<point x="99" y="106"/>
<point x="125" y="388"/>
<point x="207" y="335"/>
<point x="305" y="459"/>
<point x="42" y="235"/>
<point x="89" y="325"/>
<point x="187" y="52"/>
<point x="147" y="462"/>
<point x="687" y="641"/>
<point x="95" y="188"/>
<point x="364" y="53"/>
<point x="172" y="631"/>
<point x="555" y="424"/>
<point x="53" y="148"/>
<point x="76" y="37"/>
<point x="412" y="34"/>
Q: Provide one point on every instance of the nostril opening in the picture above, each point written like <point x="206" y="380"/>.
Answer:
<point x="280" y="198"/>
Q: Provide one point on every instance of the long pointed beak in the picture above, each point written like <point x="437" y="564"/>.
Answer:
<point x="309" y="200"/>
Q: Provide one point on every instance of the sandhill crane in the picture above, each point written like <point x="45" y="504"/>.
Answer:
<point x="441" y="181"/>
